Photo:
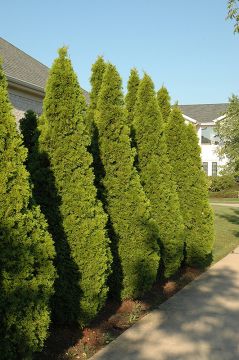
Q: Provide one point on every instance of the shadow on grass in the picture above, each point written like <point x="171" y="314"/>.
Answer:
<point x="232" y="218"/>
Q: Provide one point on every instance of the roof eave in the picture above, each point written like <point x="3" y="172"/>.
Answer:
<point x="219" y="118"/>
<point x="25" y="86"/>
<point x="189" y="119"/>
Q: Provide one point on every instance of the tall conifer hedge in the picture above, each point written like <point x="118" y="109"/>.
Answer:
<point x="97" y="72"/>
<point x="164" y="103"/>
<point x="134" y="232"/>
<point x="156" y="175"/>
<point x="184" y="153"/>
<point x="27" y="273"/>
<point x="131" y="96"/>
<point x="76" y="217"/>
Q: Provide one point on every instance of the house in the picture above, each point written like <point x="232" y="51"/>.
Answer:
<point x="205" y="117"/>
<point x="27" y="79"/>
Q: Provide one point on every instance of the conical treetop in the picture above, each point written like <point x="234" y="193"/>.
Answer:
<point x="164" y="103"/>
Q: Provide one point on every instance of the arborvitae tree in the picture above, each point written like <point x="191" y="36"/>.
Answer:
<point x="164" y="103"/>
<point x="184" y="153"/>
<point x="27" y="273"/>
<point x="131" y="95"/>
<point x="97" y="72"/>
<point x="78" y="224"/>
<point x="156" y="175"/>
<point x="134" y="232"/>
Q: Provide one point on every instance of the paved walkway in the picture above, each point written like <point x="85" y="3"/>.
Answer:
<point x="201" y="322"/>
<point x="235" y="204"/>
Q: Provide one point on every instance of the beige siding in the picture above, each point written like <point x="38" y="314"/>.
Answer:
<point x="22" y="102"/>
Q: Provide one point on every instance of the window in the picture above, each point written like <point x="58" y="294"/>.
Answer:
<point x="214" y="169"/>
<point x="205" y="167"/>
<point x="209" y="136"/>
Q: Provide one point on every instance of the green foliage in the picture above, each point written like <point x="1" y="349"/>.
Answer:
<point x="131" y="95"/>
<point x="134" y="233"/>
<point x="220" y="183"/>
<point x="156" y="175"/>
<point x="27" y="273"/>
<point x="228" y="132"/>
<point x="77" y="220"/>
<point x="233" y="13"/>
<point x="184" y="153"/>
<point x="97" y="72"/>
<point x="164" y="103"/>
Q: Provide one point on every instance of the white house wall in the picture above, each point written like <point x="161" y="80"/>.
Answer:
<point x="209" y="154"/>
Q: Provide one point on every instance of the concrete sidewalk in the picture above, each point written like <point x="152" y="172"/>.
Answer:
<point x="236" y="205"/>
<point x="201" y="322"/>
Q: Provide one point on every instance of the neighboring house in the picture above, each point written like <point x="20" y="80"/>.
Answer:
<point x="26" y="79"/>
<point x="204" y="117"/>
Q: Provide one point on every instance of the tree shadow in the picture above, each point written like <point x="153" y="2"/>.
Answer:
<point x="61" y="338"/>
<point x="116" y="277"/>
<point x="66" y="300"/>
<point x="232" y="218"/>
<point x="199" y="322"/>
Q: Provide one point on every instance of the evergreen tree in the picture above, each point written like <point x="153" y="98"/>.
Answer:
<point x="134" y="232"/>
<point x="184" y="153"/>
<point x="76" y="217"/>
<point x="131" y="95"/>
<point x="164" y="103"/>
<point x="97" y="72"/>
<point x="156" y="175"/>
<point x="27" y="273"/>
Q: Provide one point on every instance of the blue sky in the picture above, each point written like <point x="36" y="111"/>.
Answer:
<point x="186" y="45"/>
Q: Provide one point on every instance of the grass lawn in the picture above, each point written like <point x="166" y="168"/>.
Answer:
<point x="226" y="228"/>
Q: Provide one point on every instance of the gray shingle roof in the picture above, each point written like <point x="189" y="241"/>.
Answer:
<point x="204" y="112"/>
<point x="21" y="66"/>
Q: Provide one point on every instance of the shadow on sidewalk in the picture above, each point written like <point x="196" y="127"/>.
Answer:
<point x="199" y="323"/>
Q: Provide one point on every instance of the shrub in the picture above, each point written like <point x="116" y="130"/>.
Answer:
<point x="133" y="231"/>
<point x="184" y="153"/>
<point x="27" y="273"/>
<point x="97" y="72"/>
<point x="64" y="182"/>
<point x="131" y="96"/>
<point x="156" y="175"/>
<point x="220" y="183"/>
<point x="164" y="103"/>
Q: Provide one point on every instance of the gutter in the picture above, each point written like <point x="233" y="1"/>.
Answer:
<point x="25" y="86"/>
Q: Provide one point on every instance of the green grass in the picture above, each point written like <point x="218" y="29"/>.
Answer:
<point x="226" y="229"/>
